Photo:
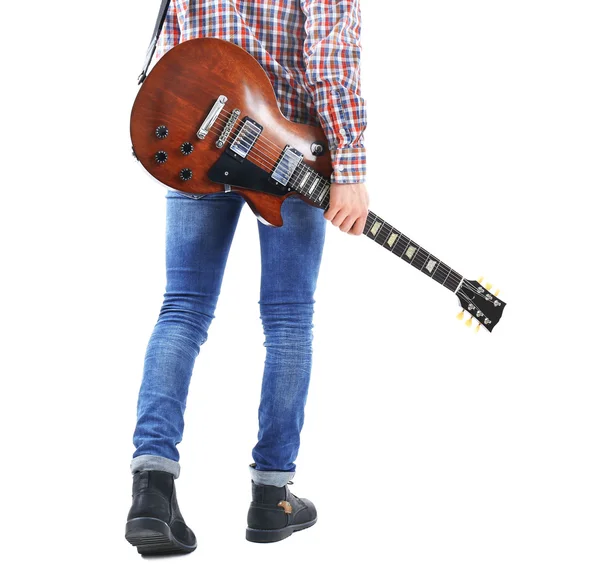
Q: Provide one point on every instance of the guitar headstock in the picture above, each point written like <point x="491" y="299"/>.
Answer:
<point x="478" y="301"/>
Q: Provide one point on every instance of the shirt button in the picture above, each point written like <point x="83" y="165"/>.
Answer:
<point x="342" y="131"/>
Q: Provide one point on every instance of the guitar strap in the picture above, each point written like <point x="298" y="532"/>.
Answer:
<point x="162" y="13"/>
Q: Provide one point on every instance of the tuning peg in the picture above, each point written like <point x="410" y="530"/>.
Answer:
<point x="477" y="328"/>
<point x="497" y="292"/>
<point x="480" y="279"/>
<point x="469" y="322"/>
<point x="461" y="314"/>
<point x="488" y="286"/>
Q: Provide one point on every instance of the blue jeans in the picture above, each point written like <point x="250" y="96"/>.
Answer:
<point x="198" y="238"/>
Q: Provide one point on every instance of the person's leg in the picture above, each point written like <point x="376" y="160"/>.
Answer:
<point x="198" y="238"/>
<point x="291" y="257"/>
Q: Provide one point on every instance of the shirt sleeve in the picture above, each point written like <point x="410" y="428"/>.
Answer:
<point x="170" y="33"/>
<point x="332" y="53"/>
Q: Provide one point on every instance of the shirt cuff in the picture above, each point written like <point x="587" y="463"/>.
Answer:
<point x="349" y="165"/>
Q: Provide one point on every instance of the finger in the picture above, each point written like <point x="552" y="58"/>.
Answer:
<point x="339" y="218"/>
<point x="359" y="226"/>
<point x="348" y="223"/>
<point x="330" y="213"/>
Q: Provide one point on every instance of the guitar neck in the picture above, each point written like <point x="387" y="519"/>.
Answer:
<point x="315" y="187"/>
<point x="415" y="255"/>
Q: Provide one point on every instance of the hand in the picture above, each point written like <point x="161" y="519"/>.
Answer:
<point x="348" y="207"/>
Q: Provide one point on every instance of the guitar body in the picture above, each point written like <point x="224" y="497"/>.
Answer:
<point x="206" y="119"/>
<point x="179" y="94"/>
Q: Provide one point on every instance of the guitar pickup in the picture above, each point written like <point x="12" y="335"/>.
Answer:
<point x="246" y="138"/>
<point x="286" y="166"/>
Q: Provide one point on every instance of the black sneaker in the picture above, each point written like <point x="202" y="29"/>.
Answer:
<point x="276" y="513"/>
<point x="154" y="523"/>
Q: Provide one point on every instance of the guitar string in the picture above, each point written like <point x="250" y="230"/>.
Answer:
<point x="263" y="155"/>
<point x="275" y="150"/>
<point x="477" y="308"/>
<point x="294" y="182"/>
<point x="450" y="276"/>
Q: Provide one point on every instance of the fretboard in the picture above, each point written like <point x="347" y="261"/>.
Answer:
<point x="315" y="187"/>
<point x="415" y="255"/>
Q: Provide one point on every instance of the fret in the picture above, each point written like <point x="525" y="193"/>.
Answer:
<point x="374" y="229"/>
<point x="369" y="223"/>
<point x="312" y="186"/>
<point x="450" y="271"/>
<point x="373" y="225"/>
<point x="383" y="233"/>
<point x="295" y="179"/>
<point x="304" y="178"/>
<point x="392" y="240"/>
<point x="409" y="252"/>
<point x="414" y="256"/>
<point x="435" y="268"/>
<point x="425" y="260"/>
<point x="419" y="259"/>
<point x="441" y="273"/>
<point x="402" y="246"/>
<point x="431" y="264"/>
<point x="324" y="191"/>
<point x="452" y="281"/>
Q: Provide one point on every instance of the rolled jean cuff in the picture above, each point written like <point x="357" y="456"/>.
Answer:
<point x="154" y="463"/>
<point x="276" y="478"/>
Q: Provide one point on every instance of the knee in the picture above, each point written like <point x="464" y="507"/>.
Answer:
<point x="288" y="326"/>
<point x="187" y="315"/>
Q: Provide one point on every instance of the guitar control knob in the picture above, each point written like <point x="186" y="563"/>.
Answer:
<point x="160" y="157"/>
<point x="317" y="148"/>
<point x="161" y="132"/>
<point x="185" y="174"/>
<point x="186" y="148"/>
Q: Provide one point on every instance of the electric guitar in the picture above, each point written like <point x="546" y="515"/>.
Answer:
<point x="207" y="114"/>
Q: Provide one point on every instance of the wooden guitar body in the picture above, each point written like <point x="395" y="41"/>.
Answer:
<point x="206" y="119"/>
<point x="179" y="94"/>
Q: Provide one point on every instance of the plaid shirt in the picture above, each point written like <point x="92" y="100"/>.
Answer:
<point x="310" y="50"/>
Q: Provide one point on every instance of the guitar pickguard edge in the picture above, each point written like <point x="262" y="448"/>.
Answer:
<point x="243" y="174"/>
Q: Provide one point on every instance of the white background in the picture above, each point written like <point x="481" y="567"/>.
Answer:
<point x="432" y="453"/>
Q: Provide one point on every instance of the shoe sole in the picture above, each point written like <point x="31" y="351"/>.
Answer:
<point x="153" y="536"/>
<point x="275" y="535"/>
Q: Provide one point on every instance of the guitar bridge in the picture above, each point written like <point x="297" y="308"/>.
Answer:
<point x="211" y="117"/>
<point x="228" y="127"/>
